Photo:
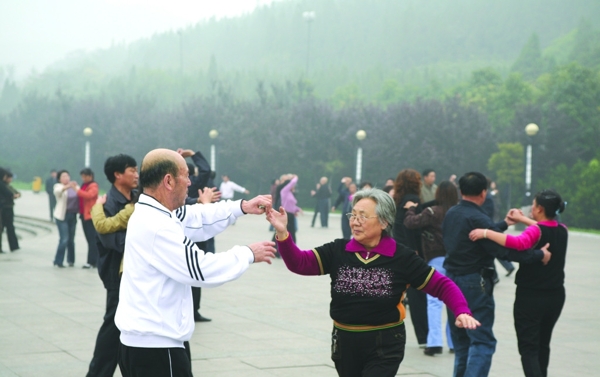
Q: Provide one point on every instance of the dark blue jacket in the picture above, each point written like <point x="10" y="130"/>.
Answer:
<point x="464" y="256"/>
<point x="112" y="245"/>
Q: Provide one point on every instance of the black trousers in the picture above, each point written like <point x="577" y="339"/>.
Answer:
<point x="106" y="352"/>
<point x="535" y="313"/>
<point x="52" y="205"/>
<point x="8" y="222"/>
<point x="154" y="362"/>
<point x="368" y="353"/>
<point x="291" y="225"/>
<point x="346" y="230"/>
<point x="322" y="207"/>
<point x="417" y="305"/>
<point x="90" y="236"/>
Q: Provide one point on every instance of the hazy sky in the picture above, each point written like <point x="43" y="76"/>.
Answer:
<point x="35" y="33"/>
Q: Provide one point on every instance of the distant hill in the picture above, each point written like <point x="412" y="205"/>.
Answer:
<point x="361" y="42"/>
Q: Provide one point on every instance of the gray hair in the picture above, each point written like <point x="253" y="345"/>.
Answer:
<point x="385" y="208"/>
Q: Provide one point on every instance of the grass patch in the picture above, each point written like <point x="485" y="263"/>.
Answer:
<point x="20" y="185"/>
<point x="591" y="231"/>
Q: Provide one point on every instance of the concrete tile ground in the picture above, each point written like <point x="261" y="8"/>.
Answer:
<point x="268" y="323"/>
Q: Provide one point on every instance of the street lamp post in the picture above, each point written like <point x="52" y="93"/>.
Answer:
<point x="309" y="17"/>
<point x="87" y="132"/>
<point x="360" y="136"/>
<point x="531" y="130"/>
<point x="213" y="134"/>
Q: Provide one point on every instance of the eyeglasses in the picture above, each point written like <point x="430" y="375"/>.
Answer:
<point x="361" y="218"/>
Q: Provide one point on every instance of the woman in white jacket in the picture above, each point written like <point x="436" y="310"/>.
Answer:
<point x="65" y="214"/>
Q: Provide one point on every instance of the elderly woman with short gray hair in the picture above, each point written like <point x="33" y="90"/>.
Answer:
<point x="369" y="277"/>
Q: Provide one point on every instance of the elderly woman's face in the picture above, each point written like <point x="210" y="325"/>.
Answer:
<point x="365" y="225"/>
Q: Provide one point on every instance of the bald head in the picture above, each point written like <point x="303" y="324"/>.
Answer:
<point x="157" y="164"/>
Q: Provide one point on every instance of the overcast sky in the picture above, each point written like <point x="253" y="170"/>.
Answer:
<point x="35" y="33"/>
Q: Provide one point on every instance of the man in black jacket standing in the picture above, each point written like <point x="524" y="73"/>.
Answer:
<point x="322" y="195"/>
<point x="121" y="171"/>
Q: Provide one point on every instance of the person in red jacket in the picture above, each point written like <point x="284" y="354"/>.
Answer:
<point x="88" y="193"/>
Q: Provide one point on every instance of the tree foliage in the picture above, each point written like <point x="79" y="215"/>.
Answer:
<point x="578" y="186"/>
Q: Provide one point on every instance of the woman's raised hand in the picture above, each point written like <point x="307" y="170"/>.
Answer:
<point x="278" y="219"/>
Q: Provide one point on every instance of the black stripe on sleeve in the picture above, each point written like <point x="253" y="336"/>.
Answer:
<point x="198" y="265"/>
<point x="189" y="258"/>
<point x="181" y="212"/>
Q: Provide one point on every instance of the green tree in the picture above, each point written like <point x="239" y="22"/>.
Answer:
<point x="530" y="62"/>
<point x="509" y="167"/>
<point x="583" y="198"/>
<point x="9" y="96"/>
<point x="346" y="96"/>
<point x="586" y="46"/>
<point x="569" y="99"/>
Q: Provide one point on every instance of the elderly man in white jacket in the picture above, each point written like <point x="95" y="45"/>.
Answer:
<point x="161" y="263"/>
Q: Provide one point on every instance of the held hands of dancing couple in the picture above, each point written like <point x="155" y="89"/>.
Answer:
<point x="512" y="217"/>
<point x="263" y="251"/>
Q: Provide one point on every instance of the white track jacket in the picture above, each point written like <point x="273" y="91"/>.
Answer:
<point x="161" y="263"/>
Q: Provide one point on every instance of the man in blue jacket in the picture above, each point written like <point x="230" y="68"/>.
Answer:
<point x="121" y="172"/>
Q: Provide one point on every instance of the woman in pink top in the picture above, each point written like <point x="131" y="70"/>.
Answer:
<point x="540" y="294"/>
<point x="288" y="202"/>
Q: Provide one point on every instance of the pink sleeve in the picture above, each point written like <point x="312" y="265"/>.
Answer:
<point x="525" y="240"/>
<point x="288" y="188"/>
<point x="443" y="288"/>
<point x="301" y="262"/>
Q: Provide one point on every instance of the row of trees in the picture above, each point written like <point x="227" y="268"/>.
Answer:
<point x="257" y="140"/>
<point x="287" y="129"/>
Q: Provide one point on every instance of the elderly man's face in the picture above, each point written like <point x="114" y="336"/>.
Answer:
<point x="182" y="182"/>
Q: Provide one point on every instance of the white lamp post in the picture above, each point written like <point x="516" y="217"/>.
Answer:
<point x="87" y="132"/>
<point x="213" y="134"/>
<point x="360" y="136"/>
<point x="309" y="17"/>
<point x="531" y="130"/>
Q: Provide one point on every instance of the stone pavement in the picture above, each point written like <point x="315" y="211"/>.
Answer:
<point x="268" y="323"/>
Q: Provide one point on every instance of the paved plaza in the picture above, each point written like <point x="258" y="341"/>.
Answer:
<point x="268" y="323"/>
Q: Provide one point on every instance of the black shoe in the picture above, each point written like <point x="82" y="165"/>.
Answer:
<point x="430" y="351"/>
<point x="199" y="318"/>
<point x="87" y="265"/>
<point x="451" y="350"/>
<point x="71" y="264"/>
<point x="510" y="272"/>
<point x="59" y="265"/>
<point x="13" y="250"/>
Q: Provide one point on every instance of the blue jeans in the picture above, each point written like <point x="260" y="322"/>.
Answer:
<point x="434" y="312"/>
<point x="66" y="233"/>
<point x="474" y="348"/>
